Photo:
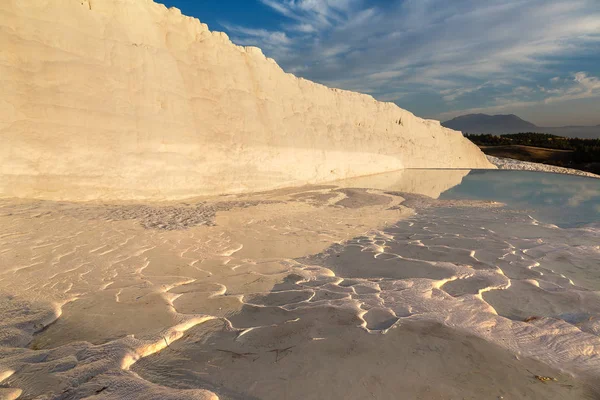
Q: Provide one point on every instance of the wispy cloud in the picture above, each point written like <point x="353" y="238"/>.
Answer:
<point x="461" y="53"/>
<point x="578" y="86"/>
<point x="583" y="87"/>
<point x="313" y="13"/>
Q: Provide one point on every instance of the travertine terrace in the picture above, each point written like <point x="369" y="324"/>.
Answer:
<point x="330" y="291"/>
<point x="126" y="99"/>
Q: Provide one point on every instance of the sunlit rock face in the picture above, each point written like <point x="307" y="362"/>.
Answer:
<point x="122" y="99"/>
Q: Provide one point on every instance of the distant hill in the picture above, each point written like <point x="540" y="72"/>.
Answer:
<point x="503" y="124"/>
<point x="495" y="124"/>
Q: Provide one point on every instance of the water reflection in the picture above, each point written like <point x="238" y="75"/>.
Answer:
<point x="564" y="200"/>
<point x="427" y="182"/>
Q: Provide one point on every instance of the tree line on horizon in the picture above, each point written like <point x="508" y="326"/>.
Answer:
<point x="584" y="150"/>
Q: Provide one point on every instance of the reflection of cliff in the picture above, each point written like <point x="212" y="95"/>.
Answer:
<point x="428" y="182"/>
<point x="127" y="99"/>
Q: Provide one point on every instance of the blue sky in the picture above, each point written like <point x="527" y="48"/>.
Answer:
<point x="539" y="59"/>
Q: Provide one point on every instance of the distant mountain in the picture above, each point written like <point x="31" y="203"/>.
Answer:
<point x="502" y="124"/>
<point x="483" y="123"/>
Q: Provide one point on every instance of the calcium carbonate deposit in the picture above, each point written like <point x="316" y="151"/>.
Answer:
<point x="517" y="165"/>
<point x="352" y="290"/>
<point x="126" y="99"/>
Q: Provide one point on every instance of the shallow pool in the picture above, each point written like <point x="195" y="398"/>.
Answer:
<point x="564" y="200"/>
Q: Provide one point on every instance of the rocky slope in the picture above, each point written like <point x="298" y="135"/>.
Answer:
<point x="126" y="99"/>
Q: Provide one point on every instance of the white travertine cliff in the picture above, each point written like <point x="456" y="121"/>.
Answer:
<point x="126" y="99"/>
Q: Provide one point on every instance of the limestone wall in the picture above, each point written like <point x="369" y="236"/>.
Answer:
<point x="126" y="99"/>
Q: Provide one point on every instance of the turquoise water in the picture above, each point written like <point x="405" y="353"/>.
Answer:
<point x="564" y="200"/>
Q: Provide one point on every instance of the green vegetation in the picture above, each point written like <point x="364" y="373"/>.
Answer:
<point x="581" y="154"/>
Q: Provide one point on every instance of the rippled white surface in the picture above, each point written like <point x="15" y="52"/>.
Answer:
<point x="355" y="290"/>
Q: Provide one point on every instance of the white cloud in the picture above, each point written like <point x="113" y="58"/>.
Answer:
<point x="456" y="49"/>
<point x="453" y="94"/>
<point x="583" y="87"/>
<point x="262" y="35"/>
<point x="305" y="28"/>
<point x="580" y="86"/>
<point x="314" y="13"/>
